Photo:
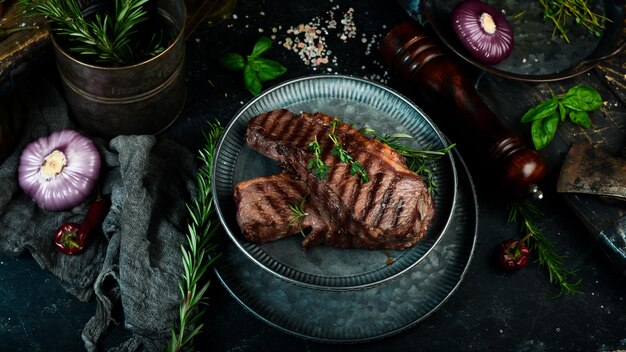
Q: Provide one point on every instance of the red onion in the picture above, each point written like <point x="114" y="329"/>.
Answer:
<point x="59" y="171"/>
<point x="484" y="31"/>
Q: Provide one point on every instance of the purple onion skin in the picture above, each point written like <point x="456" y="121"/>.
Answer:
<point x="73" y="184"/>
<point x="489" y="48"/>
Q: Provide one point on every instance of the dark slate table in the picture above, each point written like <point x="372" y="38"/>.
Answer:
<point x="490" y="310"/>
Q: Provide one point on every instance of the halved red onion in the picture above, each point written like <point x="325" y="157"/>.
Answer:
<point x="59" y="171"/>
<point x="484" y="31"/>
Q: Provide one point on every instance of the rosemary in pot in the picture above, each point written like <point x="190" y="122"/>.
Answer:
<point x="112" y="36"/>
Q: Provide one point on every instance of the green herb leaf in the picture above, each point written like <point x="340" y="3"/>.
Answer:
<point x="550" y="124"/>
<point x="582" y="98"/>
<point x="563" y="110"/>
<point x="255" y="68"/>
<point x="543" y="131"/>
<point x="251" y="80"/>
<point x="527" y="213"/>
<point x="355" y="167"/>
<point x="233" y="61"/>
<point x="110" y="38"/>
<point x="262" y="45"/>
<point x="297" y="215"/>
<point x="560" y="12"/>
<point x="541" y="111"/>
<point x="320" y="170"/>
<point x="199" y="253"/>
<point x="575" y="103"/>
<point x="266" y="69"/>
<point x="580" y="118"/>
<point x="417" y="160"/>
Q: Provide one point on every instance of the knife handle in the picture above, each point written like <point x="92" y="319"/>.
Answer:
<point x="415" y="57"/>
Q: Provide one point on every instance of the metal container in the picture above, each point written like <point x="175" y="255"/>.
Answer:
<point x="142" y="98"/>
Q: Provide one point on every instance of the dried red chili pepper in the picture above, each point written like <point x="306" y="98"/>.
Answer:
<point x="71" y="237"/>
<point x="513" y="254"/>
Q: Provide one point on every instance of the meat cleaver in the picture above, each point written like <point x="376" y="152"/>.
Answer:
<point x="594" y="185"/>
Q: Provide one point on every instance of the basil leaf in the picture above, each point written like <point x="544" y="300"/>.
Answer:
<point x="251" y="81"/>
<point x="563" y="110"/>
<point x="543" y="131"/>
<point x="261" y="46"/>
<point x="550" y="124"/>
<point x="541" y="111"/>
<point x="582" y="98"/>
<point x="580" y="118"/>
<point x="266" y="69"/>
<point x="232" y="61"/>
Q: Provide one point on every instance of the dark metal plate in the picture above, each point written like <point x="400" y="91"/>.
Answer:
<point x="538" y="55"/>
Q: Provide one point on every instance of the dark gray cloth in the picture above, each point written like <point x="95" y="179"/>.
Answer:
<point x="137" y="263"/>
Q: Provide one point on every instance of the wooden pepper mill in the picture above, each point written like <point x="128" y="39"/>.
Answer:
<point x="414" y="56"/>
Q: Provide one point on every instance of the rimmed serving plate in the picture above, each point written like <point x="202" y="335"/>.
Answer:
<point x="360" y="315"/>
<point x="538" y="55"/>
<point x="361" y="103"/>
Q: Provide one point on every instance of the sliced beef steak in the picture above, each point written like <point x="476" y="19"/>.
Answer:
<point x="392" y="210"/>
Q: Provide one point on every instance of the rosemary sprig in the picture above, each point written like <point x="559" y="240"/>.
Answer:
<point x="202" y="227"/>
<point x="107" y="39"/>
<point x="298" y="215"/>
<point x="527" y="213"/>
<point x="320" y="170"/>
<point x="559" y="11"/>
<point x="356" y="168"/>
<point x="416" y="160"/>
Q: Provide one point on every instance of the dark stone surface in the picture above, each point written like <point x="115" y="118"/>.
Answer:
<point x="491" y="310"/>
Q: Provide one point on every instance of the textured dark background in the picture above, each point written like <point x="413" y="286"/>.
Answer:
<point x="491" y="310"/>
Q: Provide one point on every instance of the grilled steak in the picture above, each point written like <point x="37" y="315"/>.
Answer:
<point x="263" y="212"/>
<point x="391" y="211"/>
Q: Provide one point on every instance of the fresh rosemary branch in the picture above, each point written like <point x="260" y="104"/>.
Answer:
<point x="298" y="215"/>
<point x="356" y="168"/>
<point x="559" y="11"/>
<point x="416" y="160"/>
<point x="202" y="227"/>
<point x="320" y="170"/>
<point x="527" y="213"/>
<point x="106" y="39"/>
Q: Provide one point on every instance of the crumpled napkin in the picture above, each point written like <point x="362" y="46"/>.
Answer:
<point x="137" y="263"/>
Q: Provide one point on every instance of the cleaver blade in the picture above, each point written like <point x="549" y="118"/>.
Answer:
<point x="588" y="170"/>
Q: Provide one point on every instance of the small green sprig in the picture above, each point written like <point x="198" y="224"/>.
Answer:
<point x="202" y="227"/>
<point x="356" y="168"/>
<point x="298" y="215"/>
<point x="559" y="11"/>
<point x="576" y="104"/>
<point x="417" y="160"/>
<point x="527" y="213"/>
<point x="320" y="170"/>
<point x="256" y="69"/>
<point x="107" y="39"/>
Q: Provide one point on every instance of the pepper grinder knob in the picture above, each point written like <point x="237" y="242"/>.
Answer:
<point x="414" y="56"/>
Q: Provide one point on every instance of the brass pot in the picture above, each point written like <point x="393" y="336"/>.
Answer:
<point x="142" y="98"/>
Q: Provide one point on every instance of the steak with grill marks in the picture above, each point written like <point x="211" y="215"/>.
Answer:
<point x="391" y="211"/>
<point x="264" y="212"/>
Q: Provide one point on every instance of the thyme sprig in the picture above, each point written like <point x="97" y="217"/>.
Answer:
<point x="417" y="160"/>
<point x="298" y="215"/>
<point x="356" y="168"/>
<point x="320" y="170"/>
<point x="527" y="213"/>
<point x="202" y="227"/>
<point x="106" y="39"/>
<point x="559" y="11"/>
